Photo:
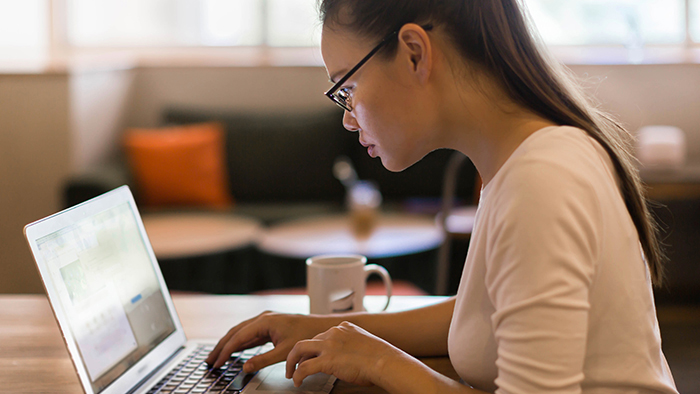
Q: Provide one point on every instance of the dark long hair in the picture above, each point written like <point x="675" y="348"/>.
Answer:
<point x="495" y="35"/>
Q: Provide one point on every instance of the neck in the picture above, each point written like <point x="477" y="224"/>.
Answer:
<point x="486" y="125"/>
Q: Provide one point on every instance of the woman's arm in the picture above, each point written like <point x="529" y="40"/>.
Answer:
<point x="420" y="332"/>
<point x="408" y="375"/>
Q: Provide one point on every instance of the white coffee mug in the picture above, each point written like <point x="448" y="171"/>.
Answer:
<point x="336" y="283"/>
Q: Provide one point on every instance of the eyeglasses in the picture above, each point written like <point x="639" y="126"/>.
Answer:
<point x="343" y="97"/>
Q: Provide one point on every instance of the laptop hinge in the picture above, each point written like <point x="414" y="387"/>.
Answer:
<point x="155" y="371"/>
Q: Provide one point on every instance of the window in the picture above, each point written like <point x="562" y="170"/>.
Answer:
<point x="128" y="23"/>
<point x="226" y="22"/>
<point x="694" y="20"/>
<point x="293" y="23"/>
<point x="631" y="23"/>
<point x="26" y="28"/>
<point x="279" y="23"/>
<point x="23" y="26"/>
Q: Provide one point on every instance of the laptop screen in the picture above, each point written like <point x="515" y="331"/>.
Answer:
<point x="101" y="270"/>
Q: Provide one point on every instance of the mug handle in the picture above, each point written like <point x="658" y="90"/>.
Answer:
<point x="381" y="271"/>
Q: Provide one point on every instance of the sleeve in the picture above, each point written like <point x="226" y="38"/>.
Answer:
<point x="542" y="253"/>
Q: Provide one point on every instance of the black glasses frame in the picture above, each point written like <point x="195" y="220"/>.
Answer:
<point x="331" y="93"/>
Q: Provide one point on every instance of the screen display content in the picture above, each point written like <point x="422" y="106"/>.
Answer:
<point x="108" y="289"/>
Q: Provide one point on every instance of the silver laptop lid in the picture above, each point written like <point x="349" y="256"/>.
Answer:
<point x="106" y="290"/>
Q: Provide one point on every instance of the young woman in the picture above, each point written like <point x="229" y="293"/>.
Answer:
<point x="556" y="293"/>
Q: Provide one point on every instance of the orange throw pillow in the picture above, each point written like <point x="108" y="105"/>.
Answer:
<point x="182" y="165"/>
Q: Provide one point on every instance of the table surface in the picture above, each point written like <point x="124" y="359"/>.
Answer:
<point x="460" y="220"/>
<point x="394" y="235"/>
<point x="31" y="343"/>
<point x="678" y="184"/>
<point x="187" y="234"/>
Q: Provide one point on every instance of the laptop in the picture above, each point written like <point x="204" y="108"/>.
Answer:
<point x="116" y="315"/>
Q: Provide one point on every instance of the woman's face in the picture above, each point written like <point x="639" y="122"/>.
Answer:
<point x="387" y="109"/>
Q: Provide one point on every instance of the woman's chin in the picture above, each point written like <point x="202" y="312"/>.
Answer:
<point x="393" y="165"/>
<point x="398" y="164"/>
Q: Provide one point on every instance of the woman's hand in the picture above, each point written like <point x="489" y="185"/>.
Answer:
<point x="346" y="351"/>
<point x="283" y="330"/>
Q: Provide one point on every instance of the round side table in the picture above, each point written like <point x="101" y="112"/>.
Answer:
<point x="205" y="251"/>
<point x="394" y="235"/>
<point x="405" y="244"/>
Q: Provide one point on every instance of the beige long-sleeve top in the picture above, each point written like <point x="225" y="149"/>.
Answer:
<point x="555" y="296"/>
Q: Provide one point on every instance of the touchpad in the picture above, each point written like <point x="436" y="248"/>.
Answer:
<point x="272" y="380"/>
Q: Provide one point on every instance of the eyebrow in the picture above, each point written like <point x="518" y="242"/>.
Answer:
<point x="339" y="73"/>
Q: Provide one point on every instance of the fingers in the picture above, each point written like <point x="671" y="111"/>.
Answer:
<point x="302" y="351"/>
<point x="345" y="351"/>
<point x="243" y="339"/>
<point x="306" y="368"/>
<point x="251" y="333"/>
<point x="263" y="360"/>
<point x="214" y="354"/>
<point x="220" y="345"/>
<point x="311" y="348"/>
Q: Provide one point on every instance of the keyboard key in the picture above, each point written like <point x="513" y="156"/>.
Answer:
<point x="240" y="381"/>
<point x="193" y="375"/>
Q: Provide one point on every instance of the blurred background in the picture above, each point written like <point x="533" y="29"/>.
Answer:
<point x="74" y="74"/>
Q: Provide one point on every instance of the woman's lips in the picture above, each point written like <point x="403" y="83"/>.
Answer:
<point x="370" y="148"/>
<point x="370" y="151"/>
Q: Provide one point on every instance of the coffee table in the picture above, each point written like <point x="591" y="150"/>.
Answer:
<point x="396" y="234"/>
<point x="190" y="234"/>
<point x="405" y="244"/>
<point x="212" y="252"/>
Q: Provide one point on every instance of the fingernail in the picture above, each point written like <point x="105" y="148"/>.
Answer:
<point x="248" y="367"/>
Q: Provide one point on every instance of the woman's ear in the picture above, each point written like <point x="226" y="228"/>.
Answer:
<point x="414" y="43"/>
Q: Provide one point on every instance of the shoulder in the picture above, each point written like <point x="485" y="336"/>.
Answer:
<point x="553" y="165"/>
<point x="549" y="194"/>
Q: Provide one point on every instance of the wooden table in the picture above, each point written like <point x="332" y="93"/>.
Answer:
<point x="395" y="235"/>
<point x="33" y="358"/>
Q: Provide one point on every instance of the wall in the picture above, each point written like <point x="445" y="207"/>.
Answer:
<point x="642" y="95"/>
<point x="51" y="124"/>
<point x="34" y="158"/>
<point x="257" y="89"/>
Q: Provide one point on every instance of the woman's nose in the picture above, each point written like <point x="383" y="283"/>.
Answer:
<point x="349" y="122"/>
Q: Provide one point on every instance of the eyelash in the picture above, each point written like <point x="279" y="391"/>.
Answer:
<point x="347" y="91"/>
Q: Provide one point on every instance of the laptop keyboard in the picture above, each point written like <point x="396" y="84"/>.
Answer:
<point x="193" y="375"/>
